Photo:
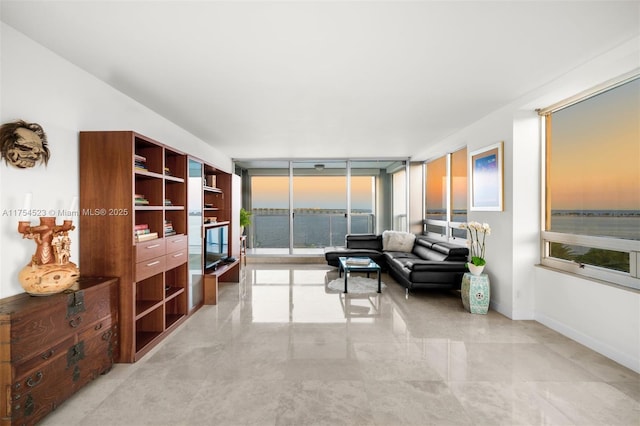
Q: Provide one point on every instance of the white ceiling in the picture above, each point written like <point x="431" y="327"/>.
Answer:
<point x="325" y="79"/>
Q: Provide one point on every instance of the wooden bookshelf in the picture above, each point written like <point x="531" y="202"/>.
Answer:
<point x="115" y="168"/>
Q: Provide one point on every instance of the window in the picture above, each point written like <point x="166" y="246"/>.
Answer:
<point x="446" y="195"/>
<point x="592" y="208"/>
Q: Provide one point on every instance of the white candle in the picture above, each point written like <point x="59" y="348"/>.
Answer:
<point x="26" y="207"/>
<point x="72" y="208"/>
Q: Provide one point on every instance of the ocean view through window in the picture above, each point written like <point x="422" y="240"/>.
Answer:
<point x="592" y="220"/>
<point x="313" y="204"/>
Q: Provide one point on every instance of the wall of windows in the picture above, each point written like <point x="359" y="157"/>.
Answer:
<point x="446" y="195"/>
<point x="592" y="183"/>
<point x="301" y="207"/>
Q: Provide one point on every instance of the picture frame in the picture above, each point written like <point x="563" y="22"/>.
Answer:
<point x="487" y="181"/>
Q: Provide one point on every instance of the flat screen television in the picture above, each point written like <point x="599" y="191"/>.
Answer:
<point x="216" y="246"/>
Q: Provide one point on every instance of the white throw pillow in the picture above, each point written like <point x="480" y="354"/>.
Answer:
<point x="398" y="241"/>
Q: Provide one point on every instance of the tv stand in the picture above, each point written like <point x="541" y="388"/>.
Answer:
<point x="225" y="272"/>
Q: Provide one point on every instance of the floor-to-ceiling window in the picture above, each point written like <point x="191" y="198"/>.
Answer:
<point x="301" y="207"/>
<point x="319" y="204"/>
<point x="269" y="201"/>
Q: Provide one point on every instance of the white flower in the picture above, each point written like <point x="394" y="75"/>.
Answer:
<point x="475" y="242"/>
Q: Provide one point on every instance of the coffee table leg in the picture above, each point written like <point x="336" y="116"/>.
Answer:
<point x="345" y="281"/>
<point x="379" y="283"/>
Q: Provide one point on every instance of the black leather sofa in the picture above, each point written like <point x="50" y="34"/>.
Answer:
<point x="430" y="264"/>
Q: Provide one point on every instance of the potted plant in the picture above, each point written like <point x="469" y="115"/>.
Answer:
<point x="245" y="219"/>
<point x="477" y="234"/>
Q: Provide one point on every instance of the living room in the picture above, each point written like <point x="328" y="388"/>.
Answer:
<point x="39" y="85"/>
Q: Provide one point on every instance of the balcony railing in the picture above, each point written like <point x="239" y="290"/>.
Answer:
<point x="312" y="228"/>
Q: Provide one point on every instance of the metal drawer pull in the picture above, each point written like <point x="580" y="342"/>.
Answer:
<point x="153" y="263"/>
<point x="178" y="254"/>
<point x="177" y="241"/>
<point x="98" y="327"/>
<point x="75" y="322"/>
<point x="152" y="246"/>
<point x="47" y="355"/>
<point x="31" y="383"/>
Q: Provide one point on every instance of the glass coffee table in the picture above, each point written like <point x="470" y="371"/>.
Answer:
<point x="358" y="264"/>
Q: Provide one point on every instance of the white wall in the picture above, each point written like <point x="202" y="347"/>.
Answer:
<point x="603" y="317"/>
<point x="40" y="87"/>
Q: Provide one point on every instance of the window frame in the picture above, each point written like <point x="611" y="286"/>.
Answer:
<point x="447" y="224"/>
<point x="627" y="280"/>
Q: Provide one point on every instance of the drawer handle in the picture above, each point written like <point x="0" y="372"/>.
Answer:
<point x="106" y="336"/>
<point x="47" y="355"/>
<point x="152" y="246"/>
<point x="75" y="322"/>
<point x="177" y="241"/>
<point x="153" y="263"/>
<point x="31" y="383"/>
<point x="98" y="327"/>
<point x="178" y="254"/>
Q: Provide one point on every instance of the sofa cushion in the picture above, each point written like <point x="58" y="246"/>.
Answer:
<point x="428" y="253"/>
<point x="452" y="251"/>
<point x="364" y="241"/>
<point x="398" y="241"/>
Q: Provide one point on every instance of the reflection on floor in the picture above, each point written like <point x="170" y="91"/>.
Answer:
<point x="280" y="349"/>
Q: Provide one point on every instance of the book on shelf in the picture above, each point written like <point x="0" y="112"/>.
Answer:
<point x="146" y="237"/>
<point x="358" y="261"/>
<point x="140" y="226"/>
<point x="139" y="162"/>
<point x="140" y="200"/>
<point x="210" y="181"/>
<point x="141" y="231"/>
<point x="167" y="202"/>
<point x="168" y="228"/>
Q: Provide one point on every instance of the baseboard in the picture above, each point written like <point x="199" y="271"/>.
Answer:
<point x="588" y="341"/>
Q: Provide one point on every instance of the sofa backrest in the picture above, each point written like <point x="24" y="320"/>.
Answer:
<point x="364" y="241"/>
<point x="431" y="249"/>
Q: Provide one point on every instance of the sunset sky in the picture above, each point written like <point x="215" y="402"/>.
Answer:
<point x="325" y="192"/>
<point x="436" y="172"/>
<point x="587" y="170"/>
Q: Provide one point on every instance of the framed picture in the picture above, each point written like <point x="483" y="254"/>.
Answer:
<point x="486" y="178"/>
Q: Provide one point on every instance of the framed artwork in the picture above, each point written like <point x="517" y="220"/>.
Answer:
<point x="486" y="178"/>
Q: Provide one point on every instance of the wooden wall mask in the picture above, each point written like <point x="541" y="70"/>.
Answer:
<point x="23" y="144"/>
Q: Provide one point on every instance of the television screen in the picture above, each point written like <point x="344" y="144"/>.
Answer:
<point x="216" y="245"/>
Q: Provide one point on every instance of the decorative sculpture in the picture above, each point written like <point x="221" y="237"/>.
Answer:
<point x="23" y="144"/>
<point x="49" y="271"/>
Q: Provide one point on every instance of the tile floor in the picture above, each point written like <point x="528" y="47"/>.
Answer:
<point x="279" y="350"/>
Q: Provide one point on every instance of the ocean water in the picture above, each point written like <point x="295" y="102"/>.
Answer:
<point x="309" y="230"/>
<point x="329" y="229"/>
<point x="598" y="223"/>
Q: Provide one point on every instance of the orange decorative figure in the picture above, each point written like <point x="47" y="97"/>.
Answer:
<point x="49" y="271"/>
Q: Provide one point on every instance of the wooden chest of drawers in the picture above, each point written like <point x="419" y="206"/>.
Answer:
<point x="51" y="346"/>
